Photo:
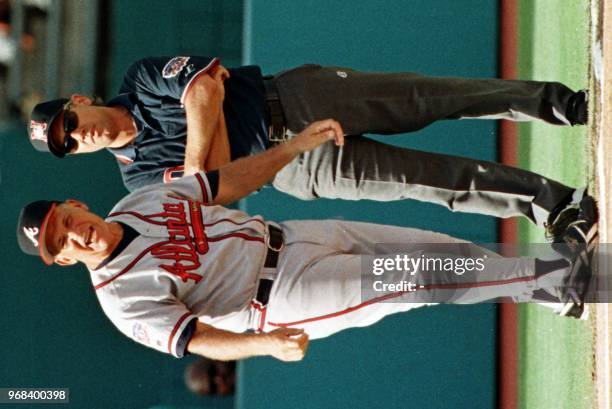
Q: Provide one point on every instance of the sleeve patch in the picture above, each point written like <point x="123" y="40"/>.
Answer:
<point x="174" y="66"/>
<point x="141" y="333"/>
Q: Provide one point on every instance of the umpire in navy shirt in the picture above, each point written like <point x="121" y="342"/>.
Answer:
<point x="175" y="116"/>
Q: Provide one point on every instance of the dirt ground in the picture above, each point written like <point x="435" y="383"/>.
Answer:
<point x="601" y="65"/>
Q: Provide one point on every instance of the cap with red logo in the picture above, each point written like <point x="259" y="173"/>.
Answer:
<point x="41" y="119"/>
<point x="32" y="227"/>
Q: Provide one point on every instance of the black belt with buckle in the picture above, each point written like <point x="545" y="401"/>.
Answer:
<point x="276" y="116"/>
<point x="275" y="245"/>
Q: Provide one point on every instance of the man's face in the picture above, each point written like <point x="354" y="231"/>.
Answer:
<point x="90" y="126"/>
<point x="76" y="234"/>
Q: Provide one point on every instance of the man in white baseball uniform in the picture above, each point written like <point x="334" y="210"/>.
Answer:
<point x="177" y="272"/>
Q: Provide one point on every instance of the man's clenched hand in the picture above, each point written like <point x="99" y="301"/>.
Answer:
<point x="286" y="344"/>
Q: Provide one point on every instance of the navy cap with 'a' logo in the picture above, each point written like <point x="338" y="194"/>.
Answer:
<point x="41" y="119"/>
<point x="31" y="228"/>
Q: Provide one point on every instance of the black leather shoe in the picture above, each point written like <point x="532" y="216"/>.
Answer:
<point x="580" y="282"/>
<point x="577" y="112"/>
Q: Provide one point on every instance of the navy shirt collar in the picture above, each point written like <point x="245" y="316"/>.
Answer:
<point x="127" y="151"/>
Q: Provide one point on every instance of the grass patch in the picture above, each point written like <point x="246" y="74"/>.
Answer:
<point x="555" y="359"/>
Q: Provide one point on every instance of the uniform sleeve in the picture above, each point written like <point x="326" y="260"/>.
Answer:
<point x="201" y="187"/>
<point x="166" y="76"/>
<point x="164" y="326"/>
<point x="139" y="175"/>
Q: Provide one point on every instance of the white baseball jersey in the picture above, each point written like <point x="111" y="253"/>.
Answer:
<point x="188" y="260"/>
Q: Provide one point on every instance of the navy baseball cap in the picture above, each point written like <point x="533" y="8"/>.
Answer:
<point x="32" y="226"/>
<point x="41" y="119"/>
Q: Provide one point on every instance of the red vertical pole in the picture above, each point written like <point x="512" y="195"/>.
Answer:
<point x="508" y="232"/>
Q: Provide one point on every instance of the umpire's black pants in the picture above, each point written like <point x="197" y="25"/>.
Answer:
<point x="404" y="102"/>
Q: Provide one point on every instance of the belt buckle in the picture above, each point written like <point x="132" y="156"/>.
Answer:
<point x="282" y="244"/>
<point x="273" y="135"/>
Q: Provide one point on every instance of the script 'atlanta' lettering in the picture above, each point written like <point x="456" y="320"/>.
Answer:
<point x="181" y="247"/>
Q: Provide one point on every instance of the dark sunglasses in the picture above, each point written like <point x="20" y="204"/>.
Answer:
<point x="71" y="122"/>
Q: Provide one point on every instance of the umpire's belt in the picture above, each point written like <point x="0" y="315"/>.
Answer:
<point x="275" y="245"/>
<point x="277" y="132"/>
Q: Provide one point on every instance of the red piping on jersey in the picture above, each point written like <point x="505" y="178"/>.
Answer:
<point x="398" y="294"/>
<point x="215" y="61"/>
<point x="239" y="235"/>
<point x="169" y="171"/>
<point x="235" y="223"/>
<point x="129" y="266"/>
<point x="203" y="187"/>
<point x="175" y="329"/>
<point x="140" y="216"/>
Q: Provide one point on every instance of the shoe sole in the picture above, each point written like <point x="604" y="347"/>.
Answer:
<point x="575" y="306"/>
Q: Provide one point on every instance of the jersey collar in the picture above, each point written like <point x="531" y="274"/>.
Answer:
<point x="127" y="154"/>
<point x="129" y="234"/>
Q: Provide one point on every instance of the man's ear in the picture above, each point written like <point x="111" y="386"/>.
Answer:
<point x="65" y="261"/>
<point x="76" y="203"/>
<point x="78" y="99"/>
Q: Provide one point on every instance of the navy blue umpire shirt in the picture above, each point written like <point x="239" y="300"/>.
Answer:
<point x="153" y="91"/>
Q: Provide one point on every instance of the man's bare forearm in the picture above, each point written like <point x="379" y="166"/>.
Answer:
<point x="223" y="345"/>
<point x="219" y="153"/>
<point x="243" y="176"/>
<point x="203" y="106"/>
<point x="286" y="344"/>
